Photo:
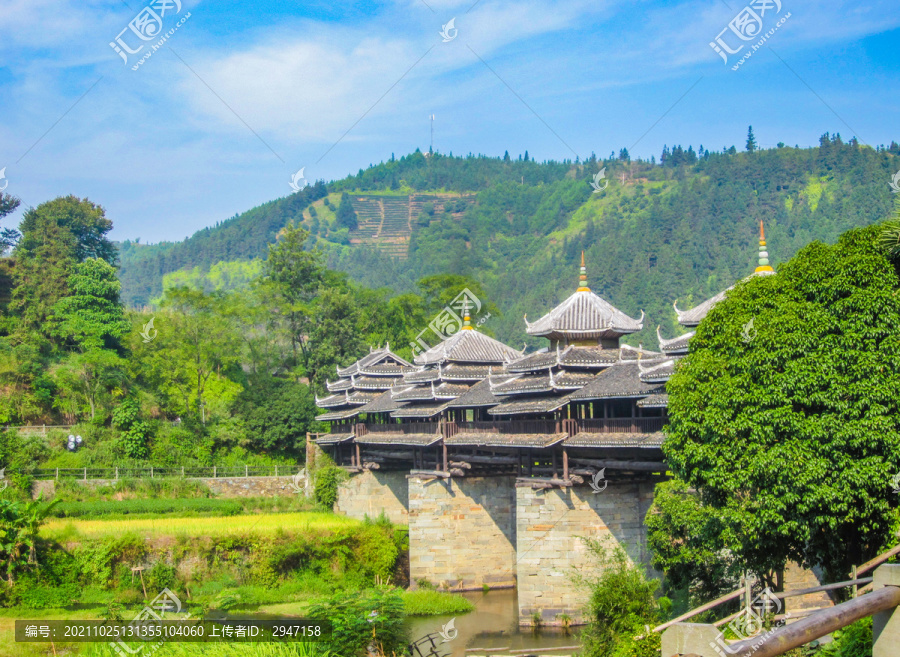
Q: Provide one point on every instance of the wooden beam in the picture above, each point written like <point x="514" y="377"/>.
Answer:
<point x="430" y="473"/>
<point x="642" y="466"/>
<point x="693" y="612"/>
<point x="818" y="625"/>
<point x="460" y="464"/>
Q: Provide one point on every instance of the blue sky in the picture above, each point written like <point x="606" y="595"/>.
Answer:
<point x="243" y="94"/>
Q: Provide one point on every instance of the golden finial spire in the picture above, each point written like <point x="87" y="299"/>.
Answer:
<point x="582" y="278"/>
<point x="763" y="254"/>
<point x="467" y="326"/>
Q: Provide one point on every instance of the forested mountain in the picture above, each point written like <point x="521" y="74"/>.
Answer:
<point x="682" y="228"/>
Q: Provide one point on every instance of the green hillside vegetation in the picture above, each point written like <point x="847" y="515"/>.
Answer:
<point x="682" y="228"/>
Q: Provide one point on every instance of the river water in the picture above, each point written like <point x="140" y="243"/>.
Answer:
<point x="494" y="624"/>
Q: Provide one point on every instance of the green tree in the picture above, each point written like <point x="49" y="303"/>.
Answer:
<point x="293" y="275"/>
<point x="8" y="236"/>
<point x="277" y="415"/>
<point x="335" y="337"/>
<point x="751" y="140"/>
<point x="19" y="528"/>
<point x="206" y="341"/>
<point x="346" y="215"/>
<point x="791" y="435"/>
<point x="87" y="379"/>
<point x="91" y="314"/>
<point x="84" y="221"/>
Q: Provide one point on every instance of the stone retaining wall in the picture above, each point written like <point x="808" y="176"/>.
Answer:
<point x="220" y="486"/>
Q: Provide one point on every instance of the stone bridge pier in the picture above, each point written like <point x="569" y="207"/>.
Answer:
<point x="465" y="533"/>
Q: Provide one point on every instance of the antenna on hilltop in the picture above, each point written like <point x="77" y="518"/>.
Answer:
<point x="431" y="147"/>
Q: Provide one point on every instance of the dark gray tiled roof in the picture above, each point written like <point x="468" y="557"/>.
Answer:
<point x="345" y="399"/>
<point x="584" y="315"/>
<point x="429" y="391"/>
<point x="489" y="439"/>
<point x="585" y="439"/>
<point x="478" y="395"/>
<point x="519" y="406"/>
<point x="377" y="357"/>
<point x="399" y="438"/>
<point x="333" y="438"/>
<point x="338" y="415"/>
<point x="422" y="376"/>
<point x="654" y="401"/>
<point x="420" y="410"/>
<point x="695" y="315"/>
<point x="340" y="385"/>
<point x="457" y="372"/>
<point x="534" y="383"/>
<point x="468" y="346"/>
<point x="658" y="372"/>
<point x="675" y="346"/>
<point x="381" y="404"/>
<point x="383" y="370"/>
<point x="620" y="380"/>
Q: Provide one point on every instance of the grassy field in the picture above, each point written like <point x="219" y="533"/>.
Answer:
<point x="263" y="523"/>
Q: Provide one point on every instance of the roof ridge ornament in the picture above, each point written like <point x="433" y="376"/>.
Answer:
<point x="582" y="277"/>
<point x="764" y="265"/>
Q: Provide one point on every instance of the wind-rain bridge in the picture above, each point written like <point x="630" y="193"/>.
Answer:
<point x="502" y="462"/>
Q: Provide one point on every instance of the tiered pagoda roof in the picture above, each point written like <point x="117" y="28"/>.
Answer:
<point x="584" y="316"/>
<point x="584" y="332"/>
<point x="361" y="383"/>
<point x="678" y="347"/>
<point x="447" y="372"/>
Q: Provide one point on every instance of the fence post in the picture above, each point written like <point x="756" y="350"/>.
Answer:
<point x="117" y="473"/>
<point x="182" y="472"/>
<point x="276" y="470"/>
<point x="214" y="472"/>
<point x="85" y="474"/>
<point x="246" y="470"/>
<point x="853" y="576"/>
<point x="57" y="474"/>
<point x="151" y="472"/>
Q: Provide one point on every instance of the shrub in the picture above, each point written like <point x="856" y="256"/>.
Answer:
<point x="327" y="481"/>
<point x="621" y="604"/>
<point x="852" y="641"/>
<point x="360" y="619"/>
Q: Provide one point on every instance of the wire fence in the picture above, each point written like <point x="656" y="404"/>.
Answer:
<point x="41" y="429"/>
<point x="212" y="472"/>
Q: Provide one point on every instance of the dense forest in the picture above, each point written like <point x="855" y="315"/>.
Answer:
<point x="215" y="347"/>
<point x="679" y="228"/>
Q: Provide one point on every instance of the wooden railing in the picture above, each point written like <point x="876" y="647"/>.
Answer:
<point x="510" y="426"/>
<point x="622" y="425"/>
<point x="810" y="624"/>
<point x="190" y="472"/>
<point x="399" y="427"/>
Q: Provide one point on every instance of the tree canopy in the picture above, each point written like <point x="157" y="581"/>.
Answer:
<point x="791" y="438"/>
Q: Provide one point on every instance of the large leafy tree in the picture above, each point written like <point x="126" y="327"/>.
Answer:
<point x="206" y="341"/>
<point x="292" y="278"/>
<point x="277" y="414"/>
<point x="91" y="315"/>
<point x="8" y="236"/>
<point x="56" y="236"/>
<point x="791" y="438"/>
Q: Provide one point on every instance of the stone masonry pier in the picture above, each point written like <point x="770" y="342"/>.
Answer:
<point x="465" y="533"/>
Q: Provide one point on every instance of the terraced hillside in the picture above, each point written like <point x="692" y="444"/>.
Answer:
<point x="386" y="221"/>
